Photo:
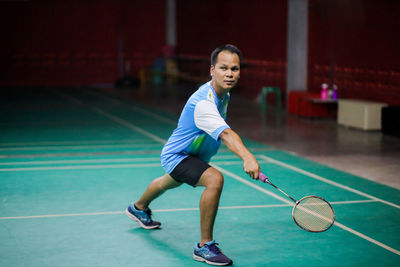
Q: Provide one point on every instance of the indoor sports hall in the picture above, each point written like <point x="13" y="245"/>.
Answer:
<point x="90" y="91"/>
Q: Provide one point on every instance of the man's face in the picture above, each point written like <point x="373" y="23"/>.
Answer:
<point x="226" y="72"/>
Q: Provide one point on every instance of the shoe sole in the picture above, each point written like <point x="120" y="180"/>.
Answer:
<point x="133" y="217"/>
<point x="198" y="258"/>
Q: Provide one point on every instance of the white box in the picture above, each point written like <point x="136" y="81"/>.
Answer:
<point x="360" y="114"/>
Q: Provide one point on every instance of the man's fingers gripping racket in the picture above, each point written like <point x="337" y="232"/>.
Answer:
<point x="263" y="178"/>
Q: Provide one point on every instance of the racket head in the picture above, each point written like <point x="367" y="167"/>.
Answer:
<point x="313" y="214"/>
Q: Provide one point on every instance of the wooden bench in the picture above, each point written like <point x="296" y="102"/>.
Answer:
<point x="362" y="114"/>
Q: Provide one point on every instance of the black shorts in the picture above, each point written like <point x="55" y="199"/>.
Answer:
<point x="189" y="170"/>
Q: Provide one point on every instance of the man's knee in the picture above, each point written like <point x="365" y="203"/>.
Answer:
<point x="219" y="182"/>
<point x="212" y="179"/>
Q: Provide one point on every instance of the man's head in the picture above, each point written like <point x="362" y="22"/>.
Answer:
<point x="225" y="68"/>
<point x="228" y="47"/>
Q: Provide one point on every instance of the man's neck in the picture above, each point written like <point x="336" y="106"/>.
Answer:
<point x="221" y="93"/>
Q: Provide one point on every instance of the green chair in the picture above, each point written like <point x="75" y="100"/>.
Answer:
<point x="264" y="92"/>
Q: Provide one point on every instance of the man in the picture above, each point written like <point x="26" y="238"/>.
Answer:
<point x="196" y="139"/>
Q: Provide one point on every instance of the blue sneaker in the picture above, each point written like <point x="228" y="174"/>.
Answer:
<point x="211" y="254"/>
<point x="143" y="217"/>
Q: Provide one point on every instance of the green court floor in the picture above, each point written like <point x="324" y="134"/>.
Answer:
<point x="71" y="161"/>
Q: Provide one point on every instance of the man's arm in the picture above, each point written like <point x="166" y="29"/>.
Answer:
<point x="234" y="143"/>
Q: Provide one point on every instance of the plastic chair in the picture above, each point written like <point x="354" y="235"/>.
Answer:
<point x="264" y="92"/>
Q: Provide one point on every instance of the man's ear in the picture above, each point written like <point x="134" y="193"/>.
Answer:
<point x="212" y="70"/>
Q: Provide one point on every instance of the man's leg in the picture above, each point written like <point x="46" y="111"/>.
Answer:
<point x="140" y="211"/>
<point x="207" y="250"/>
<point x="213" y="181"/>
<point x="156" y="188"/>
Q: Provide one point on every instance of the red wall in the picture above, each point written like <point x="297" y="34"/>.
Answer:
<point x="76" y="42"/>
<point x="257" y="27"/>
<point x="356" y="45"/>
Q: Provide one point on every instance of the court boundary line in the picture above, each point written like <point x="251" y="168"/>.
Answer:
<point x="326" y="180"/>
<point x="77" y="142"/>
<point x="80" y="154"/>
<point x="73" y="147"/>
<point x="81" y="167"/>
<point x="173" y="210"/>
<point x="97" y="166"/>
<point x="129" y="125"/>
<point x="78" y="161"/>
<point x="320" y="178"/>
<point x="103" y="152"/>
<point x="136" y="128"/>
<point x="340" y="225"/>
<point x="135" y="108"/>
<point x="114" y="118"/>
<point x="103" y="160"/>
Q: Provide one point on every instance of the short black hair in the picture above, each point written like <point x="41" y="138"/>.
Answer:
<point x="228" y="47"/>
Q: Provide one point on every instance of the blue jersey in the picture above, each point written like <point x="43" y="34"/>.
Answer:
<point x="201" y="122"/>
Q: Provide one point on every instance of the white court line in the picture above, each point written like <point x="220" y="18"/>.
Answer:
<point x="352" y="202"/>
<point x="38" y="162"/>
<point x="58" y="154"/>
<point x="28" y="148"/>
<point x="42" y="162"/>
<point x="137" y="109"/>
<point x="116" y="119"/>
<point x="82" y="167"/>
<point x="84" y="142"/>
<point x="365" y="237"/>
<point x="103" y="166"/>
<point x="129" y="125"/>
<point x="60" y="215"/>
<point x="325" y="180"/>
<point x="156" y="138"/>
<point x="167" y="210"/>
<point x="225" y="156"/>
<point x="344" y="227"/>
<point x="247" y="182"/>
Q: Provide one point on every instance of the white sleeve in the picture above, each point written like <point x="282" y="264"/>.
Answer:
<point x="208" y="119"/>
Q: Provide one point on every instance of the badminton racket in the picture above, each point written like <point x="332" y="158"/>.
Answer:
<point x="311" y="213"/>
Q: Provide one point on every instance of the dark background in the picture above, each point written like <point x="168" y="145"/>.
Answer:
<point x="354" y="44"/>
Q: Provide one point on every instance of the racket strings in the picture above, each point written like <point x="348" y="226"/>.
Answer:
<point x="313" y="214"/>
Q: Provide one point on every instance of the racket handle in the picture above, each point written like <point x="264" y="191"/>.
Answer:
<point x="263" y="178"/>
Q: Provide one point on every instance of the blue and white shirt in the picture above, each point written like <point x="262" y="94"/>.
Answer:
<point x="201" y="122"/>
